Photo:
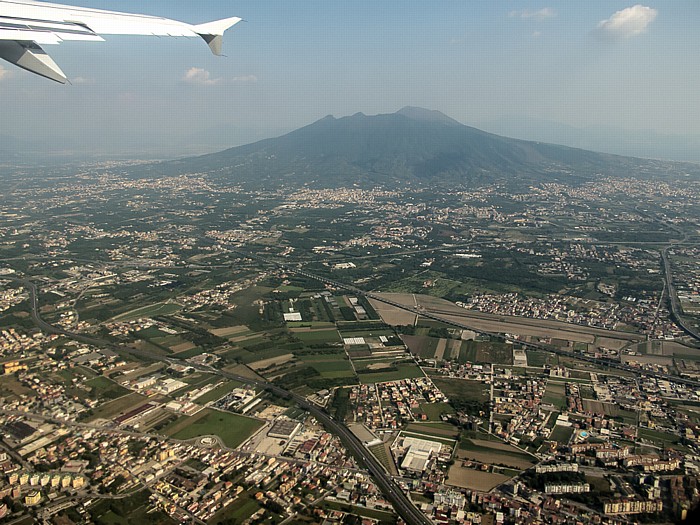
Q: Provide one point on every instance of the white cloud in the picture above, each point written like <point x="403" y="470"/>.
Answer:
<point x="246" y="79"/>
<point x="628" y="22"/>
<point x="202" y="77"/>
<point x="82" y="80"/>
<point x="4" y="73"/>
<point x="536" y="34"/>
<point x="538" y="14"/>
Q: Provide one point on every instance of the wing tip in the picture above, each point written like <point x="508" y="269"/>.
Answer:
<point x="212" y="32"/>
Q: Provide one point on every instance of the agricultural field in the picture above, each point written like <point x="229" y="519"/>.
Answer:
<point x="399" y="371"/>
<point x="434" y="411"/>
<point x="555" y="394"/>
<point x="443" y="430"/>
<point x="486" y="352"/>
<point x="331" y="366"/>
<point x="467" y="478"/>
<point x="540" y="359"/>
<point x="119" y="406"/>
<point x="230" y="331"/>
<point x="217" y="392"/>
<point x="242" y="508"/>
<point x="313" y="337"/>
<point x="232" y="429"/>
<point x="421" y="346"/>
<point x="383" y="454"/>
<point x="164" y="308"/>
<point x="104" y="388"/>
<point x="494" y="453"/>
<point x="561" y="434"/>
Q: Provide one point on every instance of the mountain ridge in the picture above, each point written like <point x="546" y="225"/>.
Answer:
<point x="412" y="144"/>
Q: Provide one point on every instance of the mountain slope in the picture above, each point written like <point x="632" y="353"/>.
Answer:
<point x="412" y="144"/>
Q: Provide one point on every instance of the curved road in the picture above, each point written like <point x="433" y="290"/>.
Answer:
<point x="673" y="298"/>
<point x="392" y="492"/>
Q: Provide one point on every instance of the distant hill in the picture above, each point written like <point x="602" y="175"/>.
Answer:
<point x="413" y="144"/>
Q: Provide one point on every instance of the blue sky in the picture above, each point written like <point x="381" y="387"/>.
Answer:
<point x="589" y="65"/>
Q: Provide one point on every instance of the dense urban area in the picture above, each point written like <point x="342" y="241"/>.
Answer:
<point x="193" y="348"/>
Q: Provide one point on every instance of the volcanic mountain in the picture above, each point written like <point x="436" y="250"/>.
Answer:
<point x="413" y="144"/>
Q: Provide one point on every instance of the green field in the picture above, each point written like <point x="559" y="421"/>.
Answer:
<point x="403" y="371"/>
<point x="330" y="366"/>
<point x="217" y="392"/>
<point x="435" y="410"/>
<point x="555" y="394"/>
<point x="318" y="336"/>
<point x="114" y="408"/>
<point x="462" y="389"/>
<point x="104" y="388"/>
<point x="539" y="359"/>
<point x="231" y="428"/>
<point x="656" y="436"/>
<point x="486" y="352"/>
<point x="164" y="308"/>
<point x="384" y="518"/>
<point x="242" y="508"/>
<point x="379" y="451"/>
<point x="561" y="434"/>
<point x="125" y="511"/>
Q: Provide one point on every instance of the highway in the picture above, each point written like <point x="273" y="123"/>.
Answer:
<point x="673" y="298"/>
<point x="392" y="492"/>
<point x="423" y="313"/>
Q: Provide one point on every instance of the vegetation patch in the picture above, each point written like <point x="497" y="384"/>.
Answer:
<point x="400" y="371"/>
<point x="231" y="428"/>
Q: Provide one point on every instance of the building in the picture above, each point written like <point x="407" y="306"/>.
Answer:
<point x="567" y="488"/>
<point x="626" y="506"/>
<point x="32" y="498"/>
<point x="284" y="429"/>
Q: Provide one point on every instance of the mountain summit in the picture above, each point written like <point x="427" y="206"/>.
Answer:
<point x="412" y="144"/>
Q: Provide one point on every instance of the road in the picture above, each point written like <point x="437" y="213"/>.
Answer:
<point x="610" y="363"/>
<point x="673" y="297"/>
<point x="392" y="492"/>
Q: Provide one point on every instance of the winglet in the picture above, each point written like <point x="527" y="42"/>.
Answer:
<point x="212" y="32"/>
<point x="30" y="56"/>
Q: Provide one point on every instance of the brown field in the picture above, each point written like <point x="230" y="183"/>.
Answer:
<point x="392" y="315"/>
<point x="455" y="347"/>
<point x="118" y="406"/>
<point x="228" y="331"/>
<point x="673" y="348"/>
<point x="182" y="347"/>
<point x="379" y="366"/>
<point x="421" y="428"/>
<point x="494" y="458"/>
<point x="613" y="343"/>
<point x="508" y="454"/>
<point x="466" y="478"/>
<point x="183" y="422"/>
<point x="440" y="350"/>
<point x="598" y="407"/>
<point x="272" y="361"/>
<point x="646" y="359"/>
<point x="244" y="371"/>
<point x="421" y="345"/>
<point x="510" y="324"/>
<point x="143" y="371"/>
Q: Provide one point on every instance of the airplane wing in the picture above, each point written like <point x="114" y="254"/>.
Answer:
<point x="26" y="25"/>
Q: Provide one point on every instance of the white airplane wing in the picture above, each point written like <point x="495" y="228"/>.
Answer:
<point x="26" y="25"/>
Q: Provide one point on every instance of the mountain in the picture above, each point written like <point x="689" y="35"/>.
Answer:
<point x="413" y="144"/>
<point x="631" y="143"/>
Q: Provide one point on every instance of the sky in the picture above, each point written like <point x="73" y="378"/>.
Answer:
<point x="618" y="72"/>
